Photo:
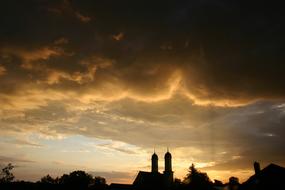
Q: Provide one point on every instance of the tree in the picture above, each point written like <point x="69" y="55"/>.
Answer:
<point x="99" y="180"/>
<point x="177" y="184"/>
<point x="218" y="183"/>
<point x="6" y="174"/>
<point x="76" y="180"/>
<point x="197" y="180"/>
<point x="233" y="183"/>
<point x="48" y="180"/>
<point x="99" y="183"/>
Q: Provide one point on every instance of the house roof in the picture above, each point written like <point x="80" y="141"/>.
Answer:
<point x="149" y="180"/>
<point x="118" y="186"/>
<point x="271" y="177"/>
<point x="154" y="156"/>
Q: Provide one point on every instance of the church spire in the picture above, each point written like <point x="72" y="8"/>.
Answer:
<point x="154" y="162"/>
<point x="167" y="159"/>
<point x="168" y="173"/>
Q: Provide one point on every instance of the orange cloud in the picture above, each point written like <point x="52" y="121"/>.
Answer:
<point x="104" y="79"/>
<point x="82" y="18"/>
<point x="61" y="41"/>
<point x="29" y="56"/>
<point x="2" y="70"/>
<point x="119" y="36"/>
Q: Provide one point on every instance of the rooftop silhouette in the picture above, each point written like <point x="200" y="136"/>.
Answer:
<point x="270" y="177"/>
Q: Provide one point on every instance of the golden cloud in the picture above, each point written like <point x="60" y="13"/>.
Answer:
<point x="61" y="41"/>
<point x="2" y="70"/>
<point x="82" y="18"/>
<point x="119" y="36"/>
<point x="29" y="56"/>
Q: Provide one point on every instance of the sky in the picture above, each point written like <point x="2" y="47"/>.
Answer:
<point x="97" y="85"/>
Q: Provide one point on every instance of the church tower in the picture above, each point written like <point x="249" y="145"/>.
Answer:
<point x="168" y="173"/>
<point x="167" y="159"/>
<point x="154" y="163"/>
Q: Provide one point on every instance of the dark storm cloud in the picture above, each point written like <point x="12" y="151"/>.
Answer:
<point x="226" y="50"/>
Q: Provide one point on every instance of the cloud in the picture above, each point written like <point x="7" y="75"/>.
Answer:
<point x="2" y="70"/>
<point x="29" y="56"/>
<point x="194" y="75"/>
<point x="120" y="146"/>
<point x="22" y="142"/>
<point x="118" y="36"/>
<point x="5" y="159"/>
<point x="82" y="18"/>
<point x="61" y="41"/>
<point x="209" y="134"/>
<point x="218" y="66"/>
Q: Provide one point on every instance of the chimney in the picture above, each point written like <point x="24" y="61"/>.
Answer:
<point x="256" y="167"/>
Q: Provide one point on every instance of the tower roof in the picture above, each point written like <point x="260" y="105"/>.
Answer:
<point x="154" y="156"/>
<point x="167" y="155"/>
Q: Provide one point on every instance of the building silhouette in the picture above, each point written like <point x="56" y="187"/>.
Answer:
<point x="153" y="179"/>
<point x="154" y="163"/>
<point x="270" y="177"/>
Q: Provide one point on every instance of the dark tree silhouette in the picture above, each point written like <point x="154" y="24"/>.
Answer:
<point x="99" y="180"/>
<point x="76" y="180"/>
<point x="6" y="174"/>
<point x="177" y="184"/>
<point x="197" y="180"/>
<point x="49" y="180"/>
<point x="233" y="183"/>
<point x="99" y="184"/>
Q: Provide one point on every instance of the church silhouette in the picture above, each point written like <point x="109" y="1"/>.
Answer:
<point x="151" y="180"/>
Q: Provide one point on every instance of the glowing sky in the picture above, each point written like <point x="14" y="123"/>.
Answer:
<point x="96" y="85"/>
